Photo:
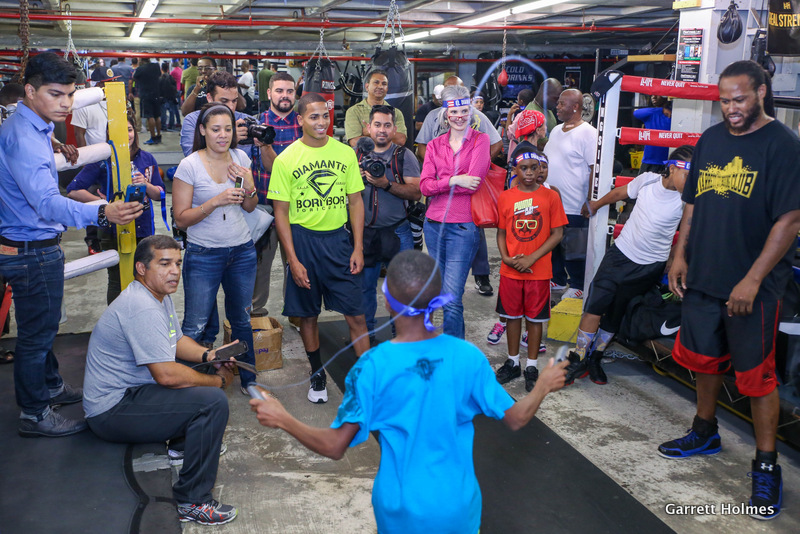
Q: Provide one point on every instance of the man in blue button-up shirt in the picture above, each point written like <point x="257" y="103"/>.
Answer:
<point x="32" y="216"/>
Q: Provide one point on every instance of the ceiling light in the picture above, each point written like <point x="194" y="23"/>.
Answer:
<point x="440" y="31"/>
<point x="522" y="8"/>
<point x="148" y="8"/>
<point x="413" y="37"/>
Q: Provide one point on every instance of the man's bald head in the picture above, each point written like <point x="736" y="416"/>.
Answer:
<point x="548" y="94"/>
<point x="569" y="103"/>
<point x="453" y="80"/>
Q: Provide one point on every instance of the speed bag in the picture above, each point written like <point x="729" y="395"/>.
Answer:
<point x="401" y="88"/>
<point x="320" y="76"/>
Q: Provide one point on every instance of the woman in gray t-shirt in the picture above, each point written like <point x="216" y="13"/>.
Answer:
<point x="219" y="249"/>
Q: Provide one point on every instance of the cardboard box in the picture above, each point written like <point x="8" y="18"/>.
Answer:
<point x="565" y="317"/>
<point x="267" y="341"/>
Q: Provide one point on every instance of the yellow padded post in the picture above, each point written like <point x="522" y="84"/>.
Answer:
<point x="118" y="134"/>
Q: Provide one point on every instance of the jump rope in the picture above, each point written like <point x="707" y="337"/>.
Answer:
<point x="561" y="351"/>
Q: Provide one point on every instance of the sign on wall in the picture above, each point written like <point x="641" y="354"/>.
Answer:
<point x="690" y="55"/>
<point x="783" y="37"/>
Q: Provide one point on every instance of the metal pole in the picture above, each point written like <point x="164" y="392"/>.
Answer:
<point x="596" y="63"/>
<point x="608" y="114"/>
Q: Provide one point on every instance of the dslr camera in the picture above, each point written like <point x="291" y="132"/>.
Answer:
<point x="369" y="162"/>
<point x="262" y="132"/>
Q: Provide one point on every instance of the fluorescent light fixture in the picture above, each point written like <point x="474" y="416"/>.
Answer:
<point x="414" y="37"/>
<point x="137" y="30"/>
<point x="148" y="8"/>
<point x="522" y="8"/>
<point x="440" y="31"/>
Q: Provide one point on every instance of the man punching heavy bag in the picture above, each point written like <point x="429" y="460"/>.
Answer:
<point x="320" y="76"/>
<point x="401" y="89"/>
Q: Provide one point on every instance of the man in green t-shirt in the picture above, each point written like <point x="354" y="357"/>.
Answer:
<point x="264" y="76"/>
<point x="312" y="184"/>
<point x="545" y="102"/>
<point x="356" y="120"/>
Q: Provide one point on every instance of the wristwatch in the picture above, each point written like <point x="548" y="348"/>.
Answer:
<point x="102" y="220"/>
<point x="252" y="193"/>
<point x="205" y="355"/>
<point x="388" y="187"/>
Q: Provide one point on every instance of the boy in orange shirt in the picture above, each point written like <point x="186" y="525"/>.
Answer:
<point x="530" y="225"/>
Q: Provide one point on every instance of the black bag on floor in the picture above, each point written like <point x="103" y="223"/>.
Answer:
<point x="650" y="316"/>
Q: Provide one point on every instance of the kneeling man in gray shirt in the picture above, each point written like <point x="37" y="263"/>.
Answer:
<point x="136" y="392"/>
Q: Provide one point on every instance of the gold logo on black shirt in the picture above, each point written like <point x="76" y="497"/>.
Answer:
<point x="733" y="178"/>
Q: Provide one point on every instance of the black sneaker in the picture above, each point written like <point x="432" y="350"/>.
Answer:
<point x="508" y="372"/>
<point x="317" y="391"/>
<point x="69" y="395"/>
<point x="596" y="373"/>
<point x="531" y="376"/>
<point x="51" y="425"/>
<point x="207" y="513"/>
<point x="690" y="445"/>
<point x="767" y="490"/>
<point x="577" y="368"/>
<point x="483" y="286"/>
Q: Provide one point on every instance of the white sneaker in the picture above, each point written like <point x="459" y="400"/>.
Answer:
<point x="176" y="457"/>
<point x="496" y="334"/>
<point x="317" y="392"/>
<point x="556" y="287"/>
<point x="572" y="293"/>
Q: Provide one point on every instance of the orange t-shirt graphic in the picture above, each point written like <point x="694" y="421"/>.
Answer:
<point x="527" y="219"/>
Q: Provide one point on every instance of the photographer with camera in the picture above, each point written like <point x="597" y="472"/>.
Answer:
<point x="220" y="87"/>
<point x="391" y="182"/>
<point x="281" y="120"/>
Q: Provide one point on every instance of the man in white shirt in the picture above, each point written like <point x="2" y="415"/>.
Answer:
<point x="247" y="85"/>
<point x="91" y="122"/>
<point x="571" y="151"/>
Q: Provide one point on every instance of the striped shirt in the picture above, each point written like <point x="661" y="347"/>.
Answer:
<point x="287" y="131"/>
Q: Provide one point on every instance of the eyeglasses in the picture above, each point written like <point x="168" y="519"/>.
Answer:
<point x="530" y="225"/>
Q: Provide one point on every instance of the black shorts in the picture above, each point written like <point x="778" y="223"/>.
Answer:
<point x="150" y="106"/>
<point x="617" y="281"/>
<point x="709" y="341"/>
<point x="326" y="257"/>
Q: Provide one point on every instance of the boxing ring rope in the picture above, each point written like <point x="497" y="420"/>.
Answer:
<point x="607" y="134"/>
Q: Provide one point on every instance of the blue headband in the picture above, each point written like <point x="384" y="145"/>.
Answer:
<point x="678" y="163"/>
<point x="530" y="155"/>
<point x="403" y="309"/>
<point x="456" y="103"/>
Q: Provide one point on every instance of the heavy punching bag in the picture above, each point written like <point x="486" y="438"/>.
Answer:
<point x="401" y="88"/>
<point x="320" y="77"/>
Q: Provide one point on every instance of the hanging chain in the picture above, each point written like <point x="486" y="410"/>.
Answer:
<point x="24" y="37"/>
<point x="393" y="22"/>
<point x="505" y="32"/>
<point x="70" y="45"/>
<point x="321" y="50"/>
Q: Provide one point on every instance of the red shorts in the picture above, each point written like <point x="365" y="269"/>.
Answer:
<point x="524" y="298"/>
<point x="709" y="341"/>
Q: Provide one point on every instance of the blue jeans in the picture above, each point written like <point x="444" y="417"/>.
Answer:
<point x="480" y="265"/>
<point x="562" y="267"/>
<point x="170" y="107"/>
<point x="37" y="280"/>
<point x="454" y="250"/>
<point x="204" y="269"/>
<point x="369" y="280"/>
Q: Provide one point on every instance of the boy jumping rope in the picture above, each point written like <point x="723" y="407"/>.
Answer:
<point x="421" y="392"/>
<point x="530" y="225"/>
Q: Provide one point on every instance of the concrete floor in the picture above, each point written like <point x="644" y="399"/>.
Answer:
<point x="279" y="486"/>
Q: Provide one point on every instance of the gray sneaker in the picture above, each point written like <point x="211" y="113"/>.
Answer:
<point x="51" y="425"/>
<point x="208" y="513"/>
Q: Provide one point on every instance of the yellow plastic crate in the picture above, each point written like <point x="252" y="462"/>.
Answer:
<point x="564" y="320"/>
<point x="636" y="159"/>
